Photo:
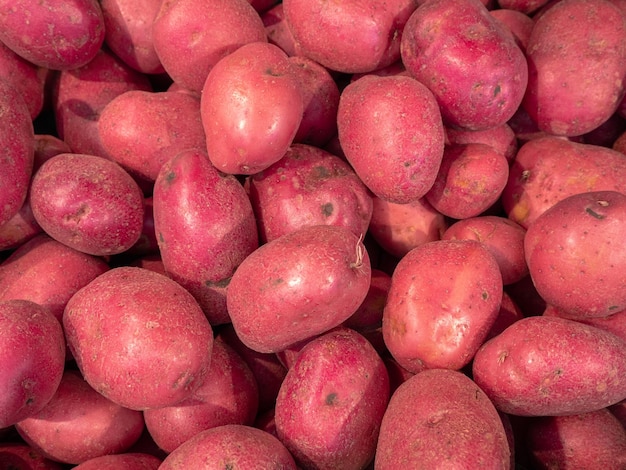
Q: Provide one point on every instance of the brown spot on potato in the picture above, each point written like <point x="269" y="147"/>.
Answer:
<point x="327" y="209"/>
<point x="502" y="356"/>
<point x="485" y="295"/>
<point x="331" y="399"/>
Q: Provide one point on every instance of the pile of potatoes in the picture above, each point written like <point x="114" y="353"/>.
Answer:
<point x="253" y="234"/>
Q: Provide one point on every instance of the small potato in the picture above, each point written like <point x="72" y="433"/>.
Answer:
<point x="615" y="323"/>
<point x="127" y="461"/>
<point x="15" y="455"/>
<point x="278" y="31"/>
<point x="89" y="203"/>
<point x="520" y="24"/>
<point x="394" y="150"/>
<point x="501" y="138"/>
<point x="547" y="366"/>
<point x="441" y="419"/>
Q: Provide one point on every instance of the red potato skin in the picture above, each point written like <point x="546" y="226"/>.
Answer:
<point x="441" y="419"/>
<point x="33" y="352"/>
<point x="444" y="298"/>
<point x="523" y="6"/>
<point x="503" y="237"/>
<point x="89" y="203"/>
<point x="23" y="457"/>
<point x="278" y="31"/>
<point x="78" y="424"/>
<point x="571" y="255"/>
<point x="331" y="403"/>
<point x="508" y="314"/>
<point x="480" y="80"/>
<point x="59" y="35"/>
<point x="575" y="84"/>
<point x="395" y="151"/>
<point x="615" y="323"/>
<point x="142" y="130"/>
<point x="128" y="32"/>
<point x="501" y="138"/>
<point x="127" y="461"/>
<point x="549" y="169"/>
<point x="232" y="445"/>
<point x="344" y="47"/>
<point x="589" y="440"/>
<point x="369" y="315"/>
<point x="228" y="395"/>
<point x="545" y="366"/>
<point x="202" y="250"/>
<point x="308" y="186"/>
<point x="520" y="24"/>
<point x="155" y="337"/>
<point x="298" y="286"/>
<point x="47" y="273"/>
<point x="252" y="107"/>
<point x="191" y="36"/>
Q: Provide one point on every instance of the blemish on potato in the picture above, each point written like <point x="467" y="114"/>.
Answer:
<point x="485" y="295"/>
<point x="502" y="356"/>
<point x="331" y="399"/>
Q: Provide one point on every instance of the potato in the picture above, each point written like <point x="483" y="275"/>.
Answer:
<point x="19" y="229"/>
<point x="202" y="250"/>
<point x="138" y="338"/>
<point x="228" y="395"/>
<point x="589" y="440"/>
<point x="576" y="68"/>
<point x="78" y="424"/>
<point x="331" y="403"/>
<point x="444" y="297"/>
<point x="394" y="150"/>
<point x="142" y="130"/>
<point x="501" y="138"/>
<point x="441" y="419"/>
<point x="508" y="314"/>
<point x="546" y="366"/>
<point x="503" y="237"/>
<point x="33" y="358"/>
<point x="191" y="36"/>
<point x="298" y="286"/>
<point x="278" y="31"/>
<point x="369" y="315"/>
<point x="350" y="37"/>
<point x="127" y="461"/>
<point x="468" y="60"/>
<point x="470" y="180"/>
<point x="523" y="6"/>
<point x="308" y="186"/>
<point x="549" y="169"/>
<point x="571" y="255"/>
<point x="53" y="35"/>
<point x="89" y="203"/>
<point x="520" y="24"/>
<point x="128" y="32"/>
<point x="614" y="323"/>
<point x="231" y="446"/>
<point x="251" y="107"/>
<point x="23" y="457"/>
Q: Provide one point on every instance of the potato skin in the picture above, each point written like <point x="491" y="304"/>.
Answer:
<point x="576" y="69"/>
<point x="441" y="419"/>
<point x="298" y="286"/>
<point x="549" y="366"/>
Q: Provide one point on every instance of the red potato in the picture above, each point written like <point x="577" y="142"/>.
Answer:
<point x="523" y="6"/>
<point x="394" y="150"/>
<point x="619" y="411"/>
<point x="606" y="133"/>
<point x="398" y="228"/>
<point x="444" y="298"/>
<point x="549" y="169"/>
<point x="332" y="401"/>
<point x="19" y="229"/>
<point x="20" y="456"/>
<point x="231" y="446"/>
<point x="47" y="273"/>
<point x="508" y="314"/>
<point x="18" y="134"/>
<point x="369" y="315"/>
<point x="251" y="107"/>
<point x="359" y="36"/>
<point x="298" y="286"/>
<point x="138" y="338"/>
<point x="615" y="323"/>
<point x="572" y="257"/>
<point x="320" y="94"/>
<point x="88" y="203"/>
<point x="519" y="23"/>
<point x="575" y="81"/>
<point x="441" y="419"/>
<point x="468" y="60"/>
<point x="79" y="95"/>
<point x="128" y="32"/>
<point x="46" y="147"/>
<point x="228" y="395"/>
<point x="127" y="461"/>
<point x="308" y="186"/>
<point x="191" y="36"/>
<point x="501" y="138"/>
<point x="33" y="359"/>
<point x="202" y="250"/>
<point x="78" y="424"/>
<point x="151" y="262"/>
<point x="50" y="34"/>
<point x="141" y="130"/>
<point x="503" y="237"/>
<point x="147" y="243"/>
<point x="545" y="366"/>
<point x="589" y="440"/>
<point x="470" y="180"/>
<point x="278" y="31"/>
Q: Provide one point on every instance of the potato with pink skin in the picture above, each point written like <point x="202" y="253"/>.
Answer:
<point x="127" y="461"/>
<point x="501" y="138"/>
<point x="24" y="457"/>
<point x="573" y="256"/>
<point x="298" y="286"/>
<point x="394" y="150"/>
<point x="548" y="366"/>
<point x="615" y="323"/>
<point x="444" y="297"/>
